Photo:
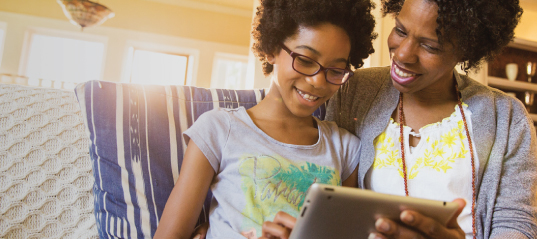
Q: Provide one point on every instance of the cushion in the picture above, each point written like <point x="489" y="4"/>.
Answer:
<point x="137" y="147"/>
<point x="45" y="168"/>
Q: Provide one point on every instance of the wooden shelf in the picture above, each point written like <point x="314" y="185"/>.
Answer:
<point x="504" y="84"/>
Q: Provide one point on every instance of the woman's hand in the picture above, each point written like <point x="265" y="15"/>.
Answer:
<point x="415" y="225"/>
<point x="201" y="231"/>
<point x="281" y="227"/>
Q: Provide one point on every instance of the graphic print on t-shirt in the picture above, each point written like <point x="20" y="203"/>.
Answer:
<point x="272" y="184"/>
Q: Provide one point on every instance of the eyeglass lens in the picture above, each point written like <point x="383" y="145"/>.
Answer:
<point x="307" y="66"/>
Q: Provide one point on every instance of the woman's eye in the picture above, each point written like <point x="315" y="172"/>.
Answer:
<point x="430" y="48"/>
<point x="399" y="31"/>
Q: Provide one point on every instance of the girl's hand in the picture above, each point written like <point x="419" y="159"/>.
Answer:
<point x="201" y="231"/>
<point x="281" y="227"/>
<point x="415" y="225"/>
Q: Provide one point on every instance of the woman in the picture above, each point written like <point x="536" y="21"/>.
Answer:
<point x="460" y="139"/>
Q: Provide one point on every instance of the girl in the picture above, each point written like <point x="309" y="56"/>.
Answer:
<point x="262" y="160"/>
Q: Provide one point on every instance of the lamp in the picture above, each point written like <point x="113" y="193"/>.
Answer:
<point x="85" y="13"/>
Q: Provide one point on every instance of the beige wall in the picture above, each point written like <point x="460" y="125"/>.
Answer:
<point x="153" y="17"/>
<point x="527" y="29"/>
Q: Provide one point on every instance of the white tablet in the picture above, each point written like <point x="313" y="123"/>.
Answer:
<point x="342" y="212"/>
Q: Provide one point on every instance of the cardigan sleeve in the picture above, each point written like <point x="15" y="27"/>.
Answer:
<point x="514" y="214"/>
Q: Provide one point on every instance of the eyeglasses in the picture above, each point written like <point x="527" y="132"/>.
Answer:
<point x="309" y="67"/>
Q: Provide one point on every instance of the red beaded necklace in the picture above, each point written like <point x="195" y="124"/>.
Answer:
<point x="401" y="124"/>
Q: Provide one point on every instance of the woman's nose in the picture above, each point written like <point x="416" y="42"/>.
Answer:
<point x="406" y="51"/>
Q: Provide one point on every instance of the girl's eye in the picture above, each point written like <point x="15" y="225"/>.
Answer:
<point x="304" y="61"/>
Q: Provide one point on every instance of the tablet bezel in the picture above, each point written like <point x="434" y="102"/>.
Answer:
<point x="342" y="212"/>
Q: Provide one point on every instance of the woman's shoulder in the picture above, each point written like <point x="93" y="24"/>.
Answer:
<point x="367" y="81"/>
<point x="372" y="74"/>
<point x="487" y="98"/>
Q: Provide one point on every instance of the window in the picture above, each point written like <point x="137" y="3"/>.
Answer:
<point x="158" y="68"/>
<point x="2" y="37"/>
<point x="229" y="71"/>
<point x="160" y="64"/>
<point x="58" y="59"/>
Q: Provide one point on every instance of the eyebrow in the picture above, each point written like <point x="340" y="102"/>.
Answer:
<point x="424" y="38"/>
<point x="318" y="53"/>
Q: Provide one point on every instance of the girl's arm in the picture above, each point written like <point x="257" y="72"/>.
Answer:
<point x="352" y="180"/>
<point x="186" y="199"/>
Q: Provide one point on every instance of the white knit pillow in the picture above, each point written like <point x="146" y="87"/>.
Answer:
<point x="46" y="175"/>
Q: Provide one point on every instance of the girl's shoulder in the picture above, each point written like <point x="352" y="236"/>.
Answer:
<point x="221" y="116"/>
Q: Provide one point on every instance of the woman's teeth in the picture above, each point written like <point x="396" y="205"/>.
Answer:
<point x="307" y="96"/>
<point x="402" y="74"/>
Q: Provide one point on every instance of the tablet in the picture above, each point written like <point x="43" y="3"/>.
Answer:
<point x="342" y="212"/>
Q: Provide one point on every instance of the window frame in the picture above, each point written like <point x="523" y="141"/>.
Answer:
<point x="31" y="31"/>
<point x="191" y="54"/>
<point x="227" y="56"/>
<point x="3" y="26"/>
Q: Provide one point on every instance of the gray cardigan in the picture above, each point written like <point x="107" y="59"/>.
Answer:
<point x="503" y="135"/>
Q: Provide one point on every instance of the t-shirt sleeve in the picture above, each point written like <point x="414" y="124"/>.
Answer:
<point x="210" y="133"/>
<point x="351" y="153"/>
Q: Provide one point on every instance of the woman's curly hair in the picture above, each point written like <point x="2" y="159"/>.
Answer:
<point x="276" y="20"/>
<point x="479" y="28"/>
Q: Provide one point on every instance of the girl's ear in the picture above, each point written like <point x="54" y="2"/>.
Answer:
<point x="270" y="59"/>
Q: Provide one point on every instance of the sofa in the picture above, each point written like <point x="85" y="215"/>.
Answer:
<point x="100" y="161"/>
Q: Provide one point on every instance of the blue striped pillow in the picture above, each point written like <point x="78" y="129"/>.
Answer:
<point x="137" y="147"/>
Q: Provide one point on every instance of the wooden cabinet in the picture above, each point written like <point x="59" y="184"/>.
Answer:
<point x="493" y="73"/>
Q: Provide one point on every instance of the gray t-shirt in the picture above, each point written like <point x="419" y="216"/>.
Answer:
<point x="257" y="176"/>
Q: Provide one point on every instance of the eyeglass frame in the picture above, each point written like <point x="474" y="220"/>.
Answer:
<point x="321" y="67"/>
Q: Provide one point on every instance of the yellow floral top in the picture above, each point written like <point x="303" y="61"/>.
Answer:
<point x="439" y="167"/>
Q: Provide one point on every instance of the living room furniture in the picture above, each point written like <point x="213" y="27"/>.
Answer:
<point x="102" y="165"/>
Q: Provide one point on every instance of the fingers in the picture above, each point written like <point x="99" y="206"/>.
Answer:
<point x="285" y="219"/>
<point x="275" y="230"/>
<point x="426" y="225"/>
<point x="453" y="221"/>
<point x="279" y="228"/>
<point x="431" y="228"/>
<point x="390" y="229"/>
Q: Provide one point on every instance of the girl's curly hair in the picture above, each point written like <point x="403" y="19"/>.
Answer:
<point x="276" y="20"/>
<point x="479" y="28"/>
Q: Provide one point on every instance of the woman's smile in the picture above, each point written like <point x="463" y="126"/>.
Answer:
<point x="402" y="76"/>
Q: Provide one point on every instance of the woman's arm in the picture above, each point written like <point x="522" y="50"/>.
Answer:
<point x="515" y="205"/>
<point x="186" y="199"/>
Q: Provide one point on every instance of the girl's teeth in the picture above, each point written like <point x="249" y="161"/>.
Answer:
<point x="307" y="96"/>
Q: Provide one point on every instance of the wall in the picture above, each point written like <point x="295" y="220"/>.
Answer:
<point x="117" y="40"/>
<point x="154" y="17"/>
<point x="527" y="29"/>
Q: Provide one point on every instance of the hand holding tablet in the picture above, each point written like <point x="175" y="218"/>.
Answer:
<point x="341" y="212"/>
